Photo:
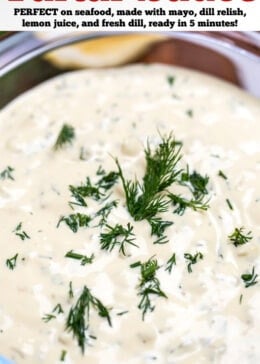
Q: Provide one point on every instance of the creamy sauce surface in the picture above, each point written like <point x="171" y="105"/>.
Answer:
<point x="209" y="315"/>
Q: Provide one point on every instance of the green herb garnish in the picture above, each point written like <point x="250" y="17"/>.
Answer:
<point x="7" y="173"/>
<point x="104" y="212"/>
<point x="196" y="183"/>
<point x="221" y="174"/>
<point x="229" y="204"/>
<point x="58" y="309"/>
<point x="21" y="233"/>
<point x="63" y="355"/>
<point x="170" y="263"/>
<point x="170" y="80"/>
<point x="66" y="136"/>
<point x="192" y="259"/>
<point x="83" y="258"/>
<point x="148" y="286"/>
<point x="117" y="236"/>
<point x="50" y="316"/>
<point x="75" y="221"/>
<point x="240" y="299"/>
<point x="238" y="238"/>
<point x="158" y="227"/>
<point x="250" y="278"/>
<point x="78" y="318"/>
<point x="108" y="180"/>
<point x="11" y="262"/>
<point x="79" y="193"/>
<point x="189" y="112"/>
<point x="146" y="200"/>
<point x="71" y="293"/>
<point x="181" y="204"/>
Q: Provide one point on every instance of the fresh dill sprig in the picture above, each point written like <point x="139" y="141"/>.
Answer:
<point x="249" y="279"/>
<point x="78" y="318"/>
<point x="117" y="236"/>
<point x="66" y="136"/>
<point x="107" y="181"/>
<point x="79" y="193"/>
<point x="95" y="191"/>
<point x="83" y="258"/>
<point x="149" y="285"/>
<point x="7" y="173"/>
<point x="158" y="227"/>
<point x="196" y="183"/>
<point x="192" y="259"/>
<point x="182" y="203"/>
<point x="170" y="263"/>
<point x="11" y="262"/>
<point x="146" y="200"/>
<point x="21" y="233"/>
<point x="239" y="238"/>
<point x="105" y="211"/>
<point x="75" y="221"/>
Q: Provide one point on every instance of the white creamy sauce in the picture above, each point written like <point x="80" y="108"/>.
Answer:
<point x="209" y="315"/>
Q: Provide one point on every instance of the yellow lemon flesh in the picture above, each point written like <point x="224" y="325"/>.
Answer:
<point x="103" y="52"/>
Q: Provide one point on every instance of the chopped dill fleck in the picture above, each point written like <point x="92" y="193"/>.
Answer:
<point x="75" y="221"/>
<point x="66" y="136"/>
<point x="100" y="171"/>
<point x="71" y="293"/>
<point x="21" y="233"/>
<point x="11" y="262"/>
<point x="221" y="174"/>
<point x="7" y="173"/>
<point x="170" y="263"/>
<point x="250" y="278"/>
<point x="135" y="264"/>
<point x="58" y="309"/>
<point x="239" y="238"/>
<point x="83" y="258"/>
<point x="158" y="227"/>
<point x="122" y="313"/>
<point x="240" y="299"/>
<point x="189" y="112"/>
<point x="63" y="355"/>
<point x="170" y="80"/>
<point x="48" y="317"/>
<point x="229" y="204"/>
<point x="192" y="259"/>
<point x="105" y="211"/>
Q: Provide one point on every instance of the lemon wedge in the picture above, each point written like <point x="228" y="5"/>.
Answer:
<point x="103" y="52"/>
